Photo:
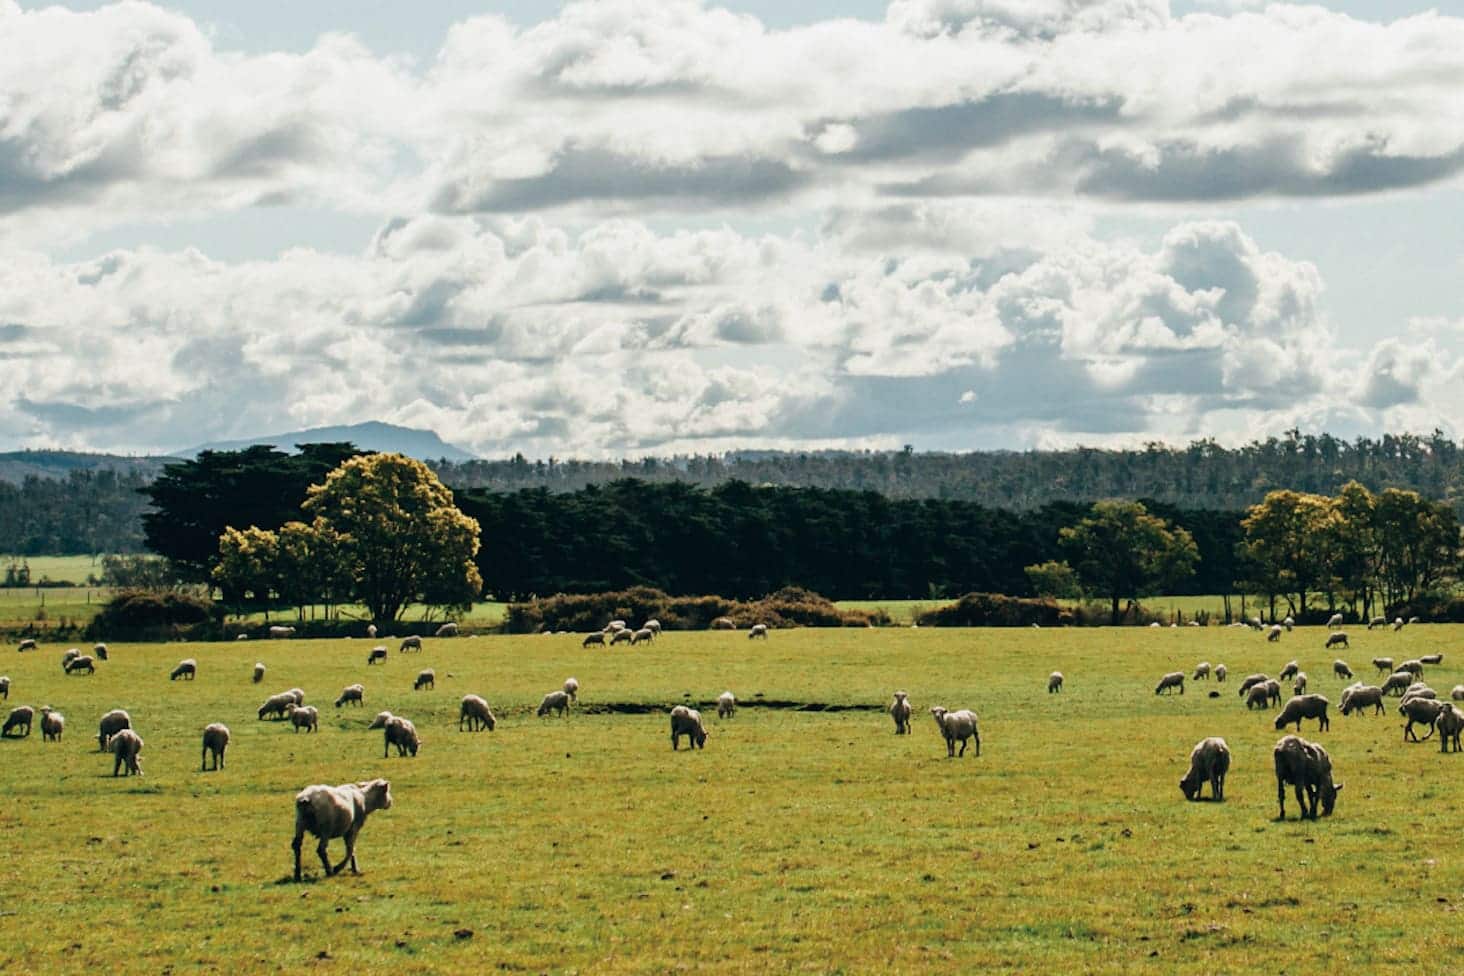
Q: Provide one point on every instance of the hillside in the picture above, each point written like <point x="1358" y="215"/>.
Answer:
<point x="424" y="445"/>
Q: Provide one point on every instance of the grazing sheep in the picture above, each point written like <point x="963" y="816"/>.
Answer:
<point x="29" y="644"/>
<point x="621" y="637"/>
<point x="653" y="625"/>
<point x="377" y="655"/>
<point x="1209" y="762"/>
<point x="726" y="705"/>
<point x="1289" y="671"/>
<point x="644" y="635"/>
<point x="1202" y="671"/>
<point x="1398" y="682"/>
<point x="52" y="723"/>
<point x="1304" y="706"/>
<point x="187" y="668"/>
<point x="215" y="741"/>
<point x="1274" y="634"/>
<point x="1413" y="666"/>
<point x="125" y="746"/>
<point x="280" y="633"/>
<point x="596" y="638"/>
<point x="5" y="687"/>
<point x="100" y="651"/>
<point x="1259" y="696"/>
<point x="1335" y="620"/>
<point x="1250" y="681"/>
<point x="1414" y="620"/>
<point x="475" y="711"/>
<point x="1306" y="766"/>
<point x="277" y="705"/>
<point x="1054" y="682"/>
<point x="352" y="695"/>
<point x="900" y="711"/>
<point x="571" y="688"/>
<point x="258" y="671"/>
<point x="379" y="722"/>
<point x="688" y="722"/>
<point x="959" y="726"/>
<point x="402" y="734"/>
<point x="1298" y="687"/>
<point x="328" y="812"/>
<point x="555" y="701"/>
<point x="1383" y="664"/>
<point x="448" y="629"/>
<point x="1289" y="623"/>
<point x="68" y="656"/>
<point x="1273" y="691"/>
<point x="1397" y="625"/>
<point x="113" y="722"/>
<point x="1377" y="622"/>
<point x="1457" y="693"/>
<point x="1338" y="639"/>
<point x="1358" y="697"/>
<point x="723" y="623"/>
<point x="296" y="695"/>
<point x="1419" y="690"/>
<point x="20" y="716"/>
<point x="1420" y="711"/>
<point x="758" y="630"/>
<point x="1254" y="623"/>
<point x="1174" y="679"/>
<point x="1220" y="673"/>
<point x="615" y="626"/>
<point x="426" y="678"/>
<point x="1340" y="669"/>
<point x="304" y="717"/>
<point x="412" y="643"/>
<point x="1450" y="724"/>
<point x="81" y="664"/>
<point x="1431" y="659"/>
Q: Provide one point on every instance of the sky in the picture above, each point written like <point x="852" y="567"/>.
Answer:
<point x="618" y="228"/>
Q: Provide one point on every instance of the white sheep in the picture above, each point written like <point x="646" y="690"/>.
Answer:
<point x="1209" y="762"/>
<point x="52" y="724"/>
<point x="1340" y="669"/>
<point x="1383" y="664"/>
<point x="758" y="630"/>
<point x="1450" y="724"/>
<point x="280" y="633"/>
<point x="1289" y="671"/>
<point x="1397" y="625"/>
<point x="571" y="688"/>
<point x="1335" y="620"/>
<point x="1174" y="679"/>
<point x="958" y="726"/>
<point x="1377" y="622"/>
<point x="615" y="626"/>
<point x="1304" y="706"/>
<point x="81" y="664"/>
<point x="352" y="695"/>
<point x="100" y="651"/>
<point x="688" y="722"/>
<point x="1419" y="690"/>
<point x="377" y="655"/>
<point x="653" y="625"/>
<point x="1306" y="766"/>
<point x="598" y="637"/>
<point x="475" y="711"/>
<point x="1054" y="682"/>
<point x="304" y="717"/>
<point x="1273" y="691"/>
<point x="1289" y="623"/>
<point x="555" y="701"/>
<point x="1220" y="673"/>
<point x="1274" y="634"/>
<point x="371" y="631"/>
<point x="1420" y="711"/>
<point x="726" y="705"/>
<point x="1250" y="681"/>
<point x="723" y="623"/>
<point x="1414" y="620"/>
<point x="379" y="722"/>
<point x="187" y="668"/>
<point x="1414" y="665"/>
<point x="1202" y="672"/>
<point x="1298" y="686"/>
<point x="125" y="747"/>
<point x="900" y="711"/>
<point x="328" y="812"/>
<point x="448" y="629"/>
<point x="20" y="716"/>
<point x="277" y="705"/>
<point x="1337" y="639"/>
<point x="402" y="734"/>
<point x="1258" y="696"/>
<point x="1357" y="697"/>
<point x="426" y="678"/>
<point x="1457" y="693"/>
<point x="621" y="637"/>
<point x="68" y="655"/>
<point x="411" y="643"/>
<point x="29" y="644"/>
<point x="258" y="671"/>
<point x="1398" y="682"/>
<point x="296" y="695"/>
<point x="113" y="722"/>
<point x="215" y="741"/>
<point x="644" y="635"/>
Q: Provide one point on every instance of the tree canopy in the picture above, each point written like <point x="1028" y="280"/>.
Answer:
<point x="1121" y="551"/>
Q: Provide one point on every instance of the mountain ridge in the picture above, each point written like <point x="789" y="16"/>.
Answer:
<point x="373" y="435"/>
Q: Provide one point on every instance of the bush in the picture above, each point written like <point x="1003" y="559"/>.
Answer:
<point x="146" y="615"/>
<point x="996" y="610"/>
<point x="585" y="612"/>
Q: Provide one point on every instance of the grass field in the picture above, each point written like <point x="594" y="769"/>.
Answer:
<point x="811" y="841"/>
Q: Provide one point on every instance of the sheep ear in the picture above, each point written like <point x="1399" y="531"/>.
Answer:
<point x="1337" y="787"/>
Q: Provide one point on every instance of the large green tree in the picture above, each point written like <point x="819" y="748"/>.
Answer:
<point x="1292" y="542"/>
<point x="1121" y="551"/>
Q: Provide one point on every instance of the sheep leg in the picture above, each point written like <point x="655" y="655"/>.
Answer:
<point x="295" y="846"/>
<point x="322" y="850"/>
<point x="963" y="749"/>
<point x="116" y="763"/>
<point x="977" y="736"/>
<point x="350" y="857"/>
<point x="203" y="760"/>
<point x="1281" y="797"/>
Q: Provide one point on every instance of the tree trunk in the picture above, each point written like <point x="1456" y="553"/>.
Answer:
<point x="1115" y="610"/>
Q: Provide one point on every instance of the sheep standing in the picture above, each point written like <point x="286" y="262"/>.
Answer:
<point x="1358" y="697"/>
<point x="125" y="746"/>
<point x="1174" y="679"/>
<point x="412" y="643"/>
<point x="723" y="623"/>
<point x="958" y="726"/>
<point x="352" y="695"/>
<point x="1202" y="672"/>
<point x="758" y="630"/>
<point x="1274" y="634"/>
<point x="215" y="741"/>
<point x="5" y="687"/>
<point x="1340" y="669"/>
<point x="448" y="629"/>
<point x="1054" y="682"/>
<point x="426" y="678"/>
<point x="277" y="706"/>
<point x="68" y="656"/>
<point x="258" y="671"/>
<point x="1304" y="706"/>
<point x="642" y="636"/>
<point x="555" y="701"/>
<point x="187" y="668"/>
<point x="1457" y="693"/>
<point x="1398" y="682"/>
<point x="726" y="705"/>
<point x="304" y="717"/>
<point x="1397" y="625"/>
<point x="1339" y="639"/>
<point x="1250" y="681"/>
<point x="280" y="633"/>
<point x="1273" y="691"/>
<point x="1377" y="622"/>
<point x="1306" y="766"/>
<point x="81" y="664"/>
<point x="100" y="651"/>
<point x="475" y="711"/>
<point x="1383" y="664"/>
<point x="52" y="724"/>
<point x="113" y="722"/>
<point x="371" y="631"/>
<point x="402" y="734"/>
<point x="1289" y="623"/>
<point x="1289" y="671"/>
<point x="377" y="655"/>
<point x="1298" y="686"/>
<point x="1258" y="696"/>
<point x="328" y="812"/>
<point x="29" y="644"/>
<point x="900" y="711"/>
<point x="1413" y="665"/>
<point x="1335" y="620"/>
<point x="1431" y="659"/>
<point x="1450" y="724"/>
<point x="1220" y="673"/>
<point x="688" y="722"/>
<point x="19" y="717"/>
<point x="1420" y="711"/>
<point x="653" y="625"/>
<point x="1209" y="762"/>
<point x="596" y="638"/>
<point x="621" y="637"/>
<point x="571" y="688"/>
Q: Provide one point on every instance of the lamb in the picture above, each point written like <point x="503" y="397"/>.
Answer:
<point x="52" y="723"/>
<point x="758" y="630"/>
<point x="571" y="688"/>
<point x="125" y="746"/>
<point x="5" y="687"/>
<point x="1250" y="681"/>
<point x="1306" y="766"/>
<point x="328" y="812"/>
<point x="113" y="722"/>
<point x="1338" y="639"/>
<point x="1274" y="634"/>
<point x="81" y="664"/>
<point x="402" y="734"/>
<point x="1298" y="687"/>
<point x="1258" y="697"/>
<point x="277" y="705"/>
<point x="448" y="629"/>
<point x="1289" y="671"/>
<point x="18" y="717"/>
<point x="726" y="705"/>
<point x="596" y="638"/>
<point x="1356" y="698"/>
<point x="187" y="668"/>
<point x="280" y="633"/>
<point x="1398" y="682"/>
<point x="304" y="717"/>
<point x="412" y="643"/>
<point x="1457" y="694"/>
<point x="475" y="711"/>
<point x="555" y="701"/>
<point x="352" y="695"/>
<point x="1383" y="664"/>
<point x="621" y="637"/>
<point x="215" y="741"/>
<point x="1174" y="679"/>
<point x="1335" y="620"/>
<point x="653" y="625"/>
<point x="1220" y="673"/>
<point x="1209" y="762"/>
<point x="1340" y="669"/>
<point x="959" y="725"/>
<point x="1202" y="671"/>
<point x="1304" y="706"/>
<point x="377" y="655"/>
<point x="100" y="650"/>
<point x="1377" y="622"/>
<point x="900" y="711"/>
<point x="688" y="722"/>
<point x="723" y="623"/>
<point x="258" y="671"/>
<point x="1420" y="711"/>
<point x="29" y="644"/>
<point x="1450" y="724"/>
<point x="644" y="635"/>
<point x="426" y="678"/>
<point x="1054" y="682"/>
<point x="1431" y="659"/>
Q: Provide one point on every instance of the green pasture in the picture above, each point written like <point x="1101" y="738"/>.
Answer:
<point x="58" y="569"/>
<point x="797" y="840"/>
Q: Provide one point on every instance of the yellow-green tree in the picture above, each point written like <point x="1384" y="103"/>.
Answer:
<point x="1292" y="539"/>
<point x="1121" y="551"/>
<point x="311" y="566"/>
<point x="246" y="565"/>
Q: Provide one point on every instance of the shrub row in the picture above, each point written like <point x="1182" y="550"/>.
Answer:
<point x="584" y="612"/>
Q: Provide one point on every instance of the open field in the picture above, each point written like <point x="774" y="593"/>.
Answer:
<point x="60" y="569"/>
<point x="797" y="840"/>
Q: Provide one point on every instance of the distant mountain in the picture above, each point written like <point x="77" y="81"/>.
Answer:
<point x="424" y="445"/>
<point x="16" y="466"/>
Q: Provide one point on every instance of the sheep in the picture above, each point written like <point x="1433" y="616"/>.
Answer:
<point x="412" y="643"/>
<point x="1335" y="620"/>
<point x="1398" y="682"/>
<point x="258" y="671"/>
<point x="1054" y="682"/>
<point x="1414" y="666"/>
<point x="1254" y="623"/>
<point x="1174" y="679"/>
<point x="377" y="655"/>
<point x="688" y="722"/>
<point x="1250" y="681"/>
<point x="1397" y="625"/>
<point x="1220" y="673"/>
<point x="621" y="637"/>
<point x="277" y="705"/>
<point x="644" y="635"/>
<point x="448" y="629"/>
<point x="1377" y="622"/>
<point x="726" y="705"/>
<point x="1358" y="697"/>
<point x="215" y="741"/>
<point x="1431" y="659"/>
<point x="1383" y="664"/>
<point x="187" y="668"/>
<point x="280" y="633"/>
<point x="475" y="711"/>
<point x="304" y="717"/>
<point x="426" y="678"/>
<point x="1338" y="639"/>
<point x="1274" y="634"/>
<point x="379" y="722"/>
<point x="20" y="716"/>
<point x="616" y="626"/>
<point x="81" y="664"/>
<point x="68" y="656"/>
<point x="723" y="623"/>
<point x="571" y="688"/>
<point x="555" y="701"/>
<point x="1290" y="670"/>
<point x="402" y="734"/>
<point x="1273" y="692"/>
<point x="1259" y="696"/>
<point x="1420" y="711"/>
<point x="1419" y="690"/>
<point x="1289" y="623"/>
<point x="52" y="723"/>
<point x="1306" y="766"/>
<point x="1415" y="620"/>
<point x="1202" y="671"/>
<point x="125" y="746"/>
<point x="29" y="644"/>
<point x="296" y="695"/>
<point x="100" y="651"/>
<point x="371" y="631"/>
<point x="352" y="695"/>
<point x="959" y="725"/>
<point x="1209" y="762"/>
<point x="1340" y="669"/>
<point x="1457" y="693"/>
<point x="1298" y="687"/>
<point x="113" y="722"/>
<point x="900" y="711"/>
<point x="5" y="687"/>
<point x="328" y="812"/>
<point x="758" y="630"/>
<point x="596" y="638"/>
<point x="239" y="637"/>
<point x="1450" y="724"/>
<point x="653" y="625"/>
<point x="1304" y="706"/>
